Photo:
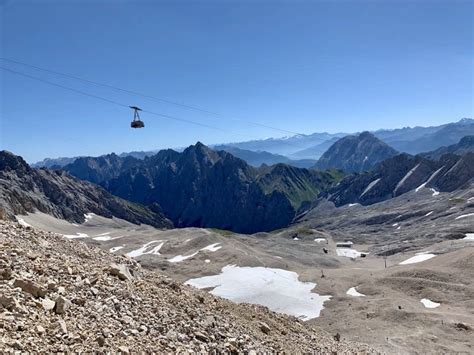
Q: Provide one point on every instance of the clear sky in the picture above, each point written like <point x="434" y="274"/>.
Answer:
<point x="304" y="66"/>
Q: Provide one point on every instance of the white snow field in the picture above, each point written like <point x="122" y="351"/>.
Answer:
<point x="469" y="236"/>
<point x="213" y="247"/>
<point x="22" y="222"/>
<point x="348" y="252"/>
<point x="147" y="249"/>
<point x="429" y="304"/>
<point x="179" y="258"/>
<point x="354" y="293"/>
<point x="76" y="236"/>
<point x="418" y="258"/>
<point x="280" y="290"/>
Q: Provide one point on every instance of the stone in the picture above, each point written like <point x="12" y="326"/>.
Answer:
<point x="62" y="326"/>
<point x="124" y="350"/>
<point x="121" y="271"/>
<point x="61" y="305"/>
<point x="264" y="327"/>
<point x="101" y="341"/>
<point x="48" y="304"/>
<point x="201" y="337"/>
<point x="30" y="287"/>
<point x="40" y="329"/>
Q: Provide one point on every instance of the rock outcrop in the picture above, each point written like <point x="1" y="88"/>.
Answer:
<point x="24" y="189"/>
<point x="91" y="308"/>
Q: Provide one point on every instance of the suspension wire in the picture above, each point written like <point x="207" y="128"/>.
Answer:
<point x="108" y="100"/>
<point x="190" y="107"/>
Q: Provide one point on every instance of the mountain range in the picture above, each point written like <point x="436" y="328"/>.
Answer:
<point x="201" y="187"/>
<point x="303" y="150"/>
<point x="24" y="189"/>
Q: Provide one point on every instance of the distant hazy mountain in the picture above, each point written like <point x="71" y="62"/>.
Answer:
<point x="403" y="173"/>
<point x="423" y="139"/>
<point x="465" y="145"/>
<point x="205" y="188"/>
<point x="53" y="163"/>
<point x="25" y="189"/>
<point x="287" y="145"/>
<point x="355" y="153"/>
<point x="258" y="158"/>
<point x="316" y="151"/>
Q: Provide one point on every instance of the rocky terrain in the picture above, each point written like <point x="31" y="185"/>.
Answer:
<point x="403" y="173"/>
<point x="355" y="153"/>
<point x="201" y="187"/>
<point x="24" y="189"/>
<point x="59" y="295"/>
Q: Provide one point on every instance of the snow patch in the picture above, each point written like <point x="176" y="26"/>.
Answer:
<point x="76" y="236"/>
<point x="426" y="215"/>
<point x="146" y="249"/>
<point x="418" y="258"/>
<point x="429" y="304"/>
<point x="114" y="249"/>
<point x="348" y="253"/>
<point x="429" y="179"/>
<point x="22" y="222"/>
<point x="402" y="181"/>
<point x="353" y="292"/>
<point x="179" y="258"/>
<point x="435" y="193"/>
<point x="88" y="216"/>
<point x="280" y="290"/>
<point x="213" y="247"/>
<point x="469" y="236"/>
<point x="207" y="261"/>
<point x="369" y="187"/>
<point x="320" y="240"/>
<point x="352" y="204"/>
<point x="465" y="215"/>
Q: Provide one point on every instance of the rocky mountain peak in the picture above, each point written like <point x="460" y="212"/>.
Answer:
<point x="355" y="153"/>
<point x="10" y="161"/>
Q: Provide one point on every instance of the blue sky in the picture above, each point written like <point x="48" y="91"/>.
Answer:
<point x="304" y="66"/>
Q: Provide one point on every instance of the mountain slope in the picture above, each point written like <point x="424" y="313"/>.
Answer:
<point x="355" y="153"/>
<point x="24" y="189"/>
<point x="201" y="187"/>
<point x="403" y="173"/>
<point x="466" y="144"/>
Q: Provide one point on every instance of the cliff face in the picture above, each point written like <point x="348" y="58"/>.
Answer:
<point x="24" y="189"/>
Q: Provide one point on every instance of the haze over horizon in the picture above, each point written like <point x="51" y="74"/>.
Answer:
<point x="305" y="67"/>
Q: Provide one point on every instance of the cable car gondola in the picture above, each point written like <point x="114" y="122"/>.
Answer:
<point x="136" y="123"/>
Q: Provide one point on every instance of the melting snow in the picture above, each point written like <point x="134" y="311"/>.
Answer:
<point x="353" y="292"/>
<point x="348" y="252"/>
<point x="369" y="187"/>
<point x="179" y="258"/>
<point x="103" y="239"/>
<point x="75" y="236"/>
<point x="352" y="204"/>
<point x="280" y="290"/>
<point x="395" y="224"/>
<point x="402" y="181"/>
<point x="426" y="215"/>
<point x="429" y="304"/>
<point x="435" y="193"/>
<point x="213" y="247"/>
<point x="22" y="222"/>
<point x="207" y="261"/>
<point x="320" y="240"/>
<point x="146" y="249"/>
<point x="430" y="178"/>
<point x="469" y="236"/>
<point x="418" y="258"/>
<point x="88" y="216"/>
<point x="465" y="215"/>
<point x="114" y="249"/>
